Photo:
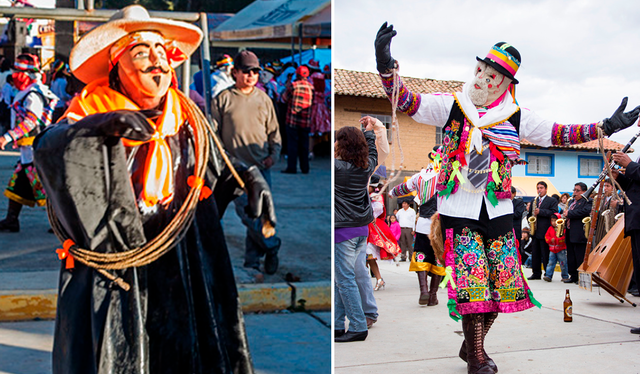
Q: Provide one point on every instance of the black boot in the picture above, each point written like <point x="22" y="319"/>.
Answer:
<point x="473" y="328"/>
<point x="433" y="289"/>
<point x="424" y="287"/>
<point x="11" y="223"/>
<point x="489" y="318"/>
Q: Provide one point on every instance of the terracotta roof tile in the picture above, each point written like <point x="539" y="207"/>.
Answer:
<point x="609" y="145"/>
<point x="358" y="83"/>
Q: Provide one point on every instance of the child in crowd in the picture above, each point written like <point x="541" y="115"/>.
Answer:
<point x="394" y="226"/>
<point x="558" y="251"/>
<point x="525" y="247"/>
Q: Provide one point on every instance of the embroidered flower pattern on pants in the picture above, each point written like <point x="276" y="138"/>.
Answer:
<point x="471" y="270"/>
<point x="505" y="275"/>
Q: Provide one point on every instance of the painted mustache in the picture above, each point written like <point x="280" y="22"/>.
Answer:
<point x="152" y="69"/>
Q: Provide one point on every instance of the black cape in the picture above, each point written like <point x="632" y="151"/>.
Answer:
<point x="182" y="313"/>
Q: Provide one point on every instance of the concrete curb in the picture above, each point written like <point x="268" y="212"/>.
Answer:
<point x="22" y="305"/>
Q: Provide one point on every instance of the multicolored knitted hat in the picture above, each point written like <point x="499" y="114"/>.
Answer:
<point x="224" y="60"/>
<point x="505" y="58"/>
<point x="27" y="62"/>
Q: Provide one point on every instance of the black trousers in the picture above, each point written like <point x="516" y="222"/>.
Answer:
<point x="635" y="251"/>
<point x="575" y="256"/>
<point x="297" y="147"/>
<point x="539" y="256"/>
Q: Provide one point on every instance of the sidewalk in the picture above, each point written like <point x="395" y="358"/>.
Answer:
<point x="280" y="343"/>
<point x="417" y="339"/>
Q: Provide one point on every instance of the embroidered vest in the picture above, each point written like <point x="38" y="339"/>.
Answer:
<point x="454" y="138"/>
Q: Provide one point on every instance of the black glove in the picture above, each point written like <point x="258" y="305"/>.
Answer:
<point x="259" y="196"/>
<point x="383" y="48"/>
<point x="121" y="124"/>
<point x="620" y="120"/>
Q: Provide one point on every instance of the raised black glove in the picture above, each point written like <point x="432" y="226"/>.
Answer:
<point x="259" y="196"/>
<point x="620" y="120"/>
<point x="121" y="124"/>
<point x="383" y="48"/>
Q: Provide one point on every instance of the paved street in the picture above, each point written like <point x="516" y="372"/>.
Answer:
<point x="409" y="338"/>
<point x="280" y="343"/>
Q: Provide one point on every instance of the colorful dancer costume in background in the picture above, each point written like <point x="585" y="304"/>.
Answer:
<point x="423" y="261"/>
<point x="482" y="126"/>
<point x="130" y="160"/>
<point x="381" y="243"/>
<point x="31" y="112"/>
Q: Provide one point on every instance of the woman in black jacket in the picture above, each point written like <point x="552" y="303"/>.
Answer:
<point x="356" y="158"/>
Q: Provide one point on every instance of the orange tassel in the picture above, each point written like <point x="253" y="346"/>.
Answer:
<point x="195" y="182"/>
<point x="64" y="254"/>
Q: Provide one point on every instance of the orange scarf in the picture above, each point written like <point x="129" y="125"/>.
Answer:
<point x="97" y="97"/>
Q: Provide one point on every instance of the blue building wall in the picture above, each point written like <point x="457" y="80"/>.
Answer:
<point x="564" y="168"/>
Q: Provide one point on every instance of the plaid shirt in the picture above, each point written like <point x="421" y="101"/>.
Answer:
<point x="299" y="96"/>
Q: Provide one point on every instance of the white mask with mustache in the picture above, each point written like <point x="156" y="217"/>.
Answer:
<point x="488" y="85"/>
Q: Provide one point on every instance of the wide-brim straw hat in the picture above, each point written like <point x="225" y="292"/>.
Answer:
<point x="89" y="59"/>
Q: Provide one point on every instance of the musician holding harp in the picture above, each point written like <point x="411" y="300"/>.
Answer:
<point x="481" y="131"/>
<point x="629" y="181"/>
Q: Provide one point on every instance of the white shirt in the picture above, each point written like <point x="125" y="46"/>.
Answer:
<point x="435" y="109"/>
<point x="407" y="218"/>
<point x="220" y="81"/>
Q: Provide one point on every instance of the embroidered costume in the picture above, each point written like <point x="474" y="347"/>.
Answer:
<point x="483" y="284"/>
<point x="31" y="112"/>
<point x="482" y="128"/>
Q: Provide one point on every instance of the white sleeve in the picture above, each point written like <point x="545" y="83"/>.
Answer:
<point x="434" y="109"/>
<point x="382" y="143"/>
<point x="34" y="104"/>
<point x="377" y="207"/>
<point x="535" y="129"/>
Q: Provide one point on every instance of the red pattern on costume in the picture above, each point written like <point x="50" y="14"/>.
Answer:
<point x="381" y="236"/>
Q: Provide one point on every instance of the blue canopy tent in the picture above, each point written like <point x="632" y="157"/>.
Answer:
<point x="323" y="56"/>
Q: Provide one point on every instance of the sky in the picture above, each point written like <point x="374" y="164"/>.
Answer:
<point x="579" y="58"/>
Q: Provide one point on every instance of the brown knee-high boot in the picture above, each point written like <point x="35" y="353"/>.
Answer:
<point x="11" y="223"/>
<point x="489" y="318"/>
<point x="424" y="287"/>
<point x="473" y="328"/>
<point x="433" y="289"/>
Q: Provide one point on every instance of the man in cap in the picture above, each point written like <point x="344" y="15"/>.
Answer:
<point x="30" y="112"/>
<point x="248" y="126"/>
<point x="482" y="127"/>
<point x="299" y="97"/>
<point x="138" y="184"/>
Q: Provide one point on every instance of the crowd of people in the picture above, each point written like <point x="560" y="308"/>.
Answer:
<point x="300" y="96"/>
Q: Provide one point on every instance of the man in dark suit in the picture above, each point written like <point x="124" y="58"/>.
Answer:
<point x="518" y="211"/>
<point x="630" y="183"/>
<point x="576" y="240"/>
<point x="542" y="207"/>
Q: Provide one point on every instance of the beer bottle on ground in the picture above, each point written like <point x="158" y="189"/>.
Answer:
<point x="568" y="308"/>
